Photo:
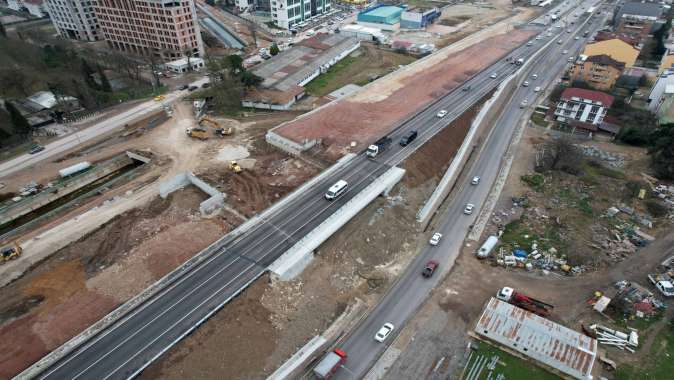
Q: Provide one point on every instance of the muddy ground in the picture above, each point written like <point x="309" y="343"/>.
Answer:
<point x="359" y="261"/>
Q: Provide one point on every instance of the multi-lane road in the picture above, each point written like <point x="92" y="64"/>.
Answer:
<point x="411" y="289"/>
<point x="130" y="344"/>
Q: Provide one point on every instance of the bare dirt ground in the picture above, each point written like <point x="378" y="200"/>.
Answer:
<point x="250" y="337"/>
<point x="141" y="237"/>
<point x="371" y="112"/>
<point x="439" y="329"/>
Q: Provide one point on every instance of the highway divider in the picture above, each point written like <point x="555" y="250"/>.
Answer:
<point x="208" y="253"/>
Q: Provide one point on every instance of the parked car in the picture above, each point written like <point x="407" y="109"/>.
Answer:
<point x="192" y="88"/>
<point x="430" y="268"/>
<point x="183" y="87"/>
<point x="383" y="332"/>
<point x="469" y="209"/>
<point x="435" y="239"/>
<point x="206" y="85"/>
<point x="442" y="113"/>
<point x="475" y="180"/>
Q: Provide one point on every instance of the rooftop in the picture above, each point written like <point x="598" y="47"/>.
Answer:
<point x="641" y="9"/>
<point x="606" y="60"/>
<point x="605" y="99"/>
<point x="552" y="344"/>
<point x="385" y="11"/>
<point x="292" y="66"/>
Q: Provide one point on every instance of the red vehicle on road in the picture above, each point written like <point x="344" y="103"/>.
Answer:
<point x="430" y="268"/>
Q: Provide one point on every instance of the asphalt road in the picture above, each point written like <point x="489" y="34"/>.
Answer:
<point x="107" y="125"/>
<point x="410" y="291"/>
<point x="133" y="342"/>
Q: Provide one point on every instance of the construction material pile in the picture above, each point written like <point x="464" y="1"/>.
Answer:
<point x="624" y="341"/>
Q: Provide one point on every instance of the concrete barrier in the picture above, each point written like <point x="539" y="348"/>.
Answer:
<point x="216" y="200"/>
<point x="293" y="261"/>
<point x="287" y="370"/>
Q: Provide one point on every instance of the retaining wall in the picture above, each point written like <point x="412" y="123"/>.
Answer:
<point x="293" y="261"/>
<point x="287" y="145"/>
<point x="217" y="199"/>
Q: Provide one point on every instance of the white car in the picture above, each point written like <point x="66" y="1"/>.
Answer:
<point x="383" y="332"/>
<point x="435" y="239"/>
<point x="493" y="75"/>
<point x="475" y="180"/>
<point x="537" y="89"/>
<point x="469" y="209"/>
<point x="538" y="37"/>
<point x="534" y="76"/>
<point x="571" y="59"/>
<point x="442" y="113"/>
<point x="524" y="103"/>
<point x="565" y="52"/>
<point x="525" y="84"/>
<point x="576" y="38"/>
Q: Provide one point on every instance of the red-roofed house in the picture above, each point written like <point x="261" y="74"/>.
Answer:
<point x="584" y="106"/>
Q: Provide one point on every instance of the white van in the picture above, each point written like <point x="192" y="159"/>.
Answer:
<point x="336" y="190"/>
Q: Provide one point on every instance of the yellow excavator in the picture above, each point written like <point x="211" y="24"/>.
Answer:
<point x="219" y="131"/>
<point x="235" y="167"/>
<point x="10" y="252"/>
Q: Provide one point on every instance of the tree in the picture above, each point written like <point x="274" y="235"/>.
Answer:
<point x="21" y="125"/>
<point x="105" y="83"/>
<point x="662" y="151"/>
<point x="273" y="50"/>
<point x="559" y="154"/>
<point x="87" y="73"/>
<point x="250" y="80"/>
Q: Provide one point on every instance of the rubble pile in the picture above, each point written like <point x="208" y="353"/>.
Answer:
<point x="615" y="160"/>
<point x="634" y="301"/>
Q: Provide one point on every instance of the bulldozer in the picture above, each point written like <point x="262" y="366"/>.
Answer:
<point x="235" y="167"/>
<point x="10" y="252"/>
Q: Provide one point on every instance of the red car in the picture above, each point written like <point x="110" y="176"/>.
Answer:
<point x="430" y="267"/>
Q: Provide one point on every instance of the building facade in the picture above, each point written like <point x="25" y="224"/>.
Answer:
<point x="599" y="71"/>
<point x="165" y="29"/>
<point x="74" y="19"/>
<point x="615" y="48"/>
<point x="418" y="18"/>
<point x="288" y="13"/>
<point x="663" y="87"/>
<point x="638" y="19"/>
<point x="584" y="106"/>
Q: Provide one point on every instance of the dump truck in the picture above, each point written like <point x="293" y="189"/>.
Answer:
<point x="235" y="167"/>
<point x="663" y="282"/>
<point x="197" y="133"/>
<point x="10" y="252"/>
<point x="378" y="146"/>
<point x="329" y="364"/>
<point x="524" y="302"/>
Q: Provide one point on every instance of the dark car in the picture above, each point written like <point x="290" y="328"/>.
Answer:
<point x="192" y="88"/>
<point x="206" y="85"/>
<point x="183" y="87"/>
<point x="36" y="149"/>
<point x="408" y="138"/>
<point x="430" y="268"/>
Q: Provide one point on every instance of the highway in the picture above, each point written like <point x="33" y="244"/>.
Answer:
<point x="132" y="343"/>
<point x="410" y="291"/>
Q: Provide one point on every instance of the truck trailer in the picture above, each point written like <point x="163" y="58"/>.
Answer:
<point x="329" y="364"/>
<point x="524" y="302"/>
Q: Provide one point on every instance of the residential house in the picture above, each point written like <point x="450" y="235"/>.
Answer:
<point x="638" y="19"/>
<point x="578" y="105"/>
<point x="615" y="48"/>
<point x="599" y="71"/>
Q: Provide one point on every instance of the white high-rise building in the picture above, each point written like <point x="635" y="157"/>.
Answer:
<point x="74" y="19"/>
<point x="286" y="13"/>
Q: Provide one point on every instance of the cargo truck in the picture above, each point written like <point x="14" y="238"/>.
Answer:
<point x="379" y="146"/>
<point x="525" y="302"/>
<point x="329" y="364"/>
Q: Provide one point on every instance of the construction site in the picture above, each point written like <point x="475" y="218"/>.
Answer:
<point x="89" y="229"/>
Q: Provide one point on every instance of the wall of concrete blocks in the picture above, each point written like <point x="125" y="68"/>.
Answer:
<point x="478" y="129"/>
<point x="288" y="145"/>
<point x="217" y="199"/>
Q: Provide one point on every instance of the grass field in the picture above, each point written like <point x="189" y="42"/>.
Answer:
<point x="358" y="68"/>
<point x="513" y="368"/>
<point x="658" y="365"/>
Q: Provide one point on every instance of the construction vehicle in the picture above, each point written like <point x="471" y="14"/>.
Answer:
<point x="329" y="364"/>
<point x="235" y="167"/>
<point x="10" y="252"/>
<point x="197" y="133"/>
<point x="222" y="132"/>
<point x="219" y="131"/>
<point x="378" y="146"/>
<point x="524" y="302"/>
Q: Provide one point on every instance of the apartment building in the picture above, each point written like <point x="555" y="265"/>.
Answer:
<point x="615" y="48"/>
<point x="165" y="29"/>
<point x="578" y="105"/>
<point x="638" y="19"/>
<point x="74" y="19"/>
<point x="599" y="71"/>
<point x="287" y="13"/>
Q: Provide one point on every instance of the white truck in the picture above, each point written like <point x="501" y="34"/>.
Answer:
<point x="663" y="282"/>
<point x="486" y="248"/>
